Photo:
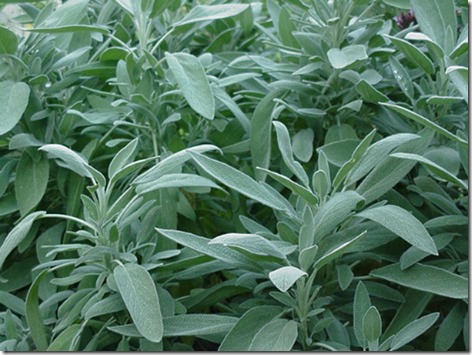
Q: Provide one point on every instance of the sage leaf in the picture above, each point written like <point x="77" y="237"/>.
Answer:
<point x="33" y="315"/>
<point x="31" y="181"/>
<point x="14" y="98"/>
<point x="403" y="224"/>
<point x="413" y="330"/>
<point x="17" y="234"/>
<point x="372" y="324"/>
<point x="193" y="82"/>
<point x="197" y="324"/>
<point x="211" y="12"/>
<point x="238" y="181"/>
<point x="425" y="278"/>
<point x="278" y="335"/>
<point x="240" y="337"/>
<point x="139" y="294"/>
<point x="284" y="277"/>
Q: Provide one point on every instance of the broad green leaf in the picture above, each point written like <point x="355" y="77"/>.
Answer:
<point x="433" y="167"/>
<point x="197" y="324"/>
<point x="372" y="324"/>
<point x="139" y="293"/>
<point x="193" y="82"/>
<point x="31" y="181"/>
<point x="24" y="140"/>
<point x="14" y="98"/>
<point x="67" y="340"/>
<point x="70" y="29"/>
<point x="449" y="329"/>
<point x="285" y="147"/>
<point x="425" y="278"/>
<point x="122" y="158"/>
<point x="345" y="276"/>
<point x="425" y="122"/>
<point x="400" y="4"/>
<point x="361" y="305"/>
<point x="302" y="144"/>
<point x="337" y="251"/>
<point x="376" y="153"/>
<point x="176" y="180"/>
<point x="284" y="277"/>
<point x="260" y="133"/>
<point x="341" y="58"/>
<point x="239" y="338"/>
<point x="211" y="12"/>
<point x="403" y="224"/>
<point x="369" y="93"/>
<point x="278" y="335"/>
<point x="238" y="181"/>
<point x="339" y="151"/>
<point x="413" y="54"/>
<point x="459" y="77"/>
<point x="12" y="302"/>
<point x="285" y="28"/>
<point x="17" y="234"/>
<point x="383" y="291"/>
<point x="413" y="330"/>
<point x="9" y="43"/>
<point x="297" y="189"/>
<point x="201" y="245"/>
<point x="252" y="243"/>
<point x="334" y="212"/>
<point x="435" y="18"/>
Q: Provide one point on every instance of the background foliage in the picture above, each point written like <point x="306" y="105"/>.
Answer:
<point x="234" y="175"/>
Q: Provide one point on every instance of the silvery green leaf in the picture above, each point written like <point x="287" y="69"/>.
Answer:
<point x="193" y="83"/>
<point x="413" y="330"/>
<point x="284" y="277"/>
<point x="426" y="278"/>
<point x="14" y="98"/>
<point x="403" y="224"/>
<point x="139" y="294"/>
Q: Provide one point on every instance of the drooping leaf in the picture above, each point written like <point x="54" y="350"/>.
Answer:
<point x="426" y="278"/>
<point x="413" y="54"/>
<point x="139" y="294"/>
<point x="193" y="82"/>
<point x="284" y="277"/>
<point x="402" y="223"/>
<point x="17" y="234"/>
<point x="122" y="158"/>
<point x="14" y="98"/>
<point x="433" y="167"/>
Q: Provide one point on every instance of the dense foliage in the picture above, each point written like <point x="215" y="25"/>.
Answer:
<point x="234" y="175"/>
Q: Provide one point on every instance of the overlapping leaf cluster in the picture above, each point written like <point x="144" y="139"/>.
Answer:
<point x="234" y="175"/>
